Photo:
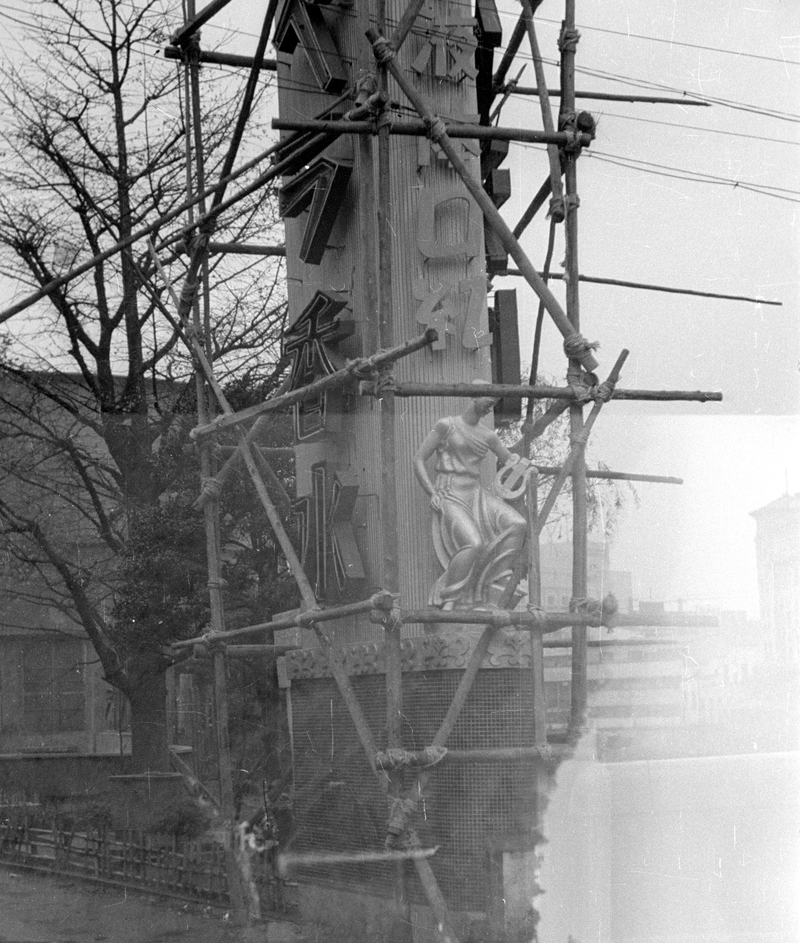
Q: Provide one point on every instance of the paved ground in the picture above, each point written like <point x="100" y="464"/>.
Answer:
<point x="40" y="908"/>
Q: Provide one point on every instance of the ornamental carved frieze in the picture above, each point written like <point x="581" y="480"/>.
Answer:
<point x="449" y="651"/>
<point x="510" y="650"/>
<point x="363" y="658"/>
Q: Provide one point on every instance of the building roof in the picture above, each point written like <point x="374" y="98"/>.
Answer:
<point x="785" y="504"/>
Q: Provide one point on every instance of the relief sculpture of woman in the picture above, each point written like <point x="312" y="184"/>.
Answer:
<point x="477" y="535"/>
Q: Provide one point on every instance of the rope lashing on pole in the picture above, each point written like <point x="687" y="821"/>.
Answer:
<point x="568" y="40"/>
<point x="576" y="346"/>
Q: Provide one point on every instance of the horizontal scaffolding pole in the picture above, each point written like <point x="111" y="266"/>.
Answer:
<point x="615" y="476"/>
<point x="224" y="58"/>
<point x="644" y="286"/>
<point x="418" y="129"/>
<point x="615" y="642"/>
<point x="316" y="859"/>
<point x="502" y="390"/>
<point x="420" y="759"/>
<point x="252" y="651"/>
<point x="511" y="89"/>
<point x="553" y="621"/>
<point x="243" y="248"/>
<point x="305" y="619"/>
<point x="358" y="366"/>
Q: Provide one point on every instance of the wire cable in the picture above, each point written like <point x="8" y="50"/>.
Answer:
<point x="674" y="42"/>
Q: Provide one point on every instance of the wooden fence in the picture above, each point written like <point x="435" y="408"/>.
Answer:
<point x="160" y="863"/>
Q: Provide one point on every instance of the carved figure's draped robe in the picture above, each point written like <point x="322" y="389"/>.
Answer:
<point x="476" y="534"/>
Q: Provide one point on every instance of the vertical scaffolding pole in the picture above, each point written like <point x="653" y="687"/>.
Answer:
<point x="402" y="932"/>
<point x="211" y="515"/>
<point x="568" y="42"/>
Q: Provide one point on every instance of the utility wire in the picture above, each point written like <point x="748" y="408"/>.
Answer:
<point x="674" y="42"/>
<point x="694" y="127"/>
<point x="677" y="173"/>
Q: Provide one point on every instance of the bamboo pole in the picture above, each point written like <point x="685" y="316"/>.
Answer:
<point x="514" y="42"/>
<point x="579" y="436"/>
<point x="419" y="758"/>
<point x="533" y="208"/>
<point x="293" y="561"/>
<point x="241" y="248"/>
<point x="224" y="58"/>
<point x="345" y="686"/>
<point x="358" y="366"/>
<point x="535" y="599"/>
<point x="196" y="21"/>
<point x="438" y="135"/>
<point x="553" y="156"/>
<point x="420" y="129"/>
<point x="305" y="619"/>
<point x="368" y="388"/>
<point x="609" y="96"/>
<point x="646" y="286"/>
<point x="402" y="931"/>
<point x="188" y="302"/>
<point x="615" y="476"/>
<point x="578" y="433"/>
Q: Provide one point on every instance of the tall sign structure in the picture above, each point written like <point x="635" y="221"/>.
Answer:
<point x="380" y="227"/>
<point x="417" y="696"/>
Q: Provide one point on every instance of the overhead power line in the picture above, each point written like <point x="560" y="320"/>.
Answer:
<point x="674" y="42"/>
<point x="694" y="127"/>
<point x="645" y="83"/>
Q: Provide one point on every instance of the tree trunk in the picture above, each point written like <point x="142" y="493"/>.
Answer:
<point x="149" y="733"/>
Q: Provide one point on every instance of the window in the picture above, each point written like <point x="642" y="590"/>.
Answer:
<point x="52" y="686"/>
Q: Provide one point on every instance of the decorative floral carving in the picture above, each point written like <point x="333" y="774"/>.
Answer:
<point x="448" y="651"/>
<point x="362" y="659"/>
<point x="307" y="663"/>
<point x="443" y="651"/>
<point x="510" y="650"/>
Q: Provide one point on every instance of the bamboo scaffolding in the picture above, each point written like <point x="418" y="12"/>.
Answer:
<point x="438" y="135"/>
<point x="358" y="366"/>
<point x="240" y="248"/>
<point x="515" y="41"/>
<point x="419" y="129"/>
<point x="615" y="476"/>
<point x="280" y="251"/>
<point x="419" y="759"/>
<point x="187" y="302"/>
<point x="582" y="393"/>
<point x="352" y="703"/>
<point x="579" y="432"/>
<point x="533" y="208"/>
<point x="537" y="635"/>
<point x="608" y="96"/>
<point x="210" y="57"/>
<point x="553" y="155"/>
<point x="646" y="286"/>
<point x="305" y="619"/>
<point x="574" y="464"/>
<point x="206" y="371"/>
<point x="553" y="621"/>
<point x="195" y="22"/>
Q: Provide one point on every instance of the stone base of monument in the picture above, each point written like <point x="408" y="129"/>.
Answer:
<point x="479" y="808"/>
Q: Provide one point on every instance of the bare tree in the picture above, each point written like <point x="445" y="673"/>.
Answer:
<point x="94" y="391"/>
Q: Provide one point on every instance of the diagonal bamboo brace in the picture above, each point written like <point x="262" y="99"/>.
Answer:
<point x="579" y="446"/>
<point x="557" y="203"/>
<point x="579" y="348"/>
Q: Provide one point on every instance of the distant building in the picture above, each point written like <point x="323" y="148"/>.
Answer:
<point x="556" y="570"/>
<point x="778" y="562"/>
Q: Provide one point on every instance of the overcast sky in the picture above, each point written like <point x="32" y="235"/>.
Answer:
<point x="650" y="223"/>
